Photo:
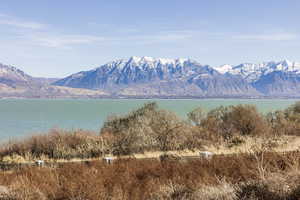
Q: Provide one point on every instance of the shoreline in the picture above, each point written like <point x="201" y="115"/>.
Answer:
<point x="156" y="98"/>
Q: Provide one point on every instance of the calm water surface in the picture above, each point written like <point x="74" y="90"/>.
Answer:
<point x="24" y="117"/>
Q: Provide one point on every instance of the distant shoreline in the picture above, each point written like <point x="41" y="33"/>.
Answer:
<point x="152" y="98"/>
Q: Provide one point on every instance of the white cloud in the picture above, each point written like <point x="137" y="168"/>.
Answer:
<point x="158" y="38"/>
<point x="65" y="40"/>
<point x="268" y="37"/>
<point x="34" y="33"/>
<point x="11" y="21"/>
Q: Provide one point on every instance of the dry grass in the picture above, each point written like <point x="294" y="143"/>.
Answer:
<point x="222" y="177"/>
<point x="57" y="144"/>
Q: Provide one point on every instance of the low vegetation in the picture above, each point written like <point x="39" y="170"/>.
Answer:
<point x="254" y="158"/>
<point x="152" y="129"/>
<point x="268" y="176"/>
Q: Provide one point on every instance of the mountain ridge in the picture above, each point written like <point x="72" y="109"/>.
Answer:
<point x="158" y="76"/>
<point x="15" y="83"/>
<point x="252" y="72"/>
<point x="161" y="77"/>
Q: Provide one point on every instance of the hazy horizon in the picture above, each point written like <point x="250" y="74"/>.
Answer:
<point x="58" y="38"/>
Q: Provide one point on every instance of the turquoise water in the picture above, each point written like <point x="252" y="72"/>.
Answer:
<point x="20" y="117"/>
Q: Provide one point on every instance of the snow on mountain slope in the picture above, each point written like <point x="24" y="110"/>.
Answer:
<point x="146" y="62"/>
<point x="253" y="72"/>
<point x="132" y="71"/>
<point x="13" y="74"/>
<point x="16" y="83"/>
<point x="158" y="76"/>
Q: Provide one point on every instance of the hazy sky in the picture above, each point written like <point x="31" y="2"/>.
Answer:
<point x="55" y="38"/>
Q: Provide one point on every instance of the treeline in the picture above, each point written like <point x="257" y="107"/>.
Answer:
<point x="150" y="128"/>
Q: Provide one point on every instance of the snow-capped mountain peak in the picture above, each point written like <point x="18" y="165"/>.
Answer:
<point x="252" y="72"/>
<point x="152" y="60"/>
<point x="287" y="63"/>
<point x="13" y="73"/>
<point x="224" y="68"/>
<point x="136" y="70"/>
<point x="148" y="76"/>
<point x="148" y="62"/>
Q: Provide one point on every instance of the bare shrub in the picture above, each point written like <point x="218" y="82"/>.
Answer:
<point x="169" y="157"/>
<point x="196" y="116"/>
<point x="256" y="191"/>
<point x="57" y="144"/>
<point x="147" y="128"/>
<point x="286" y="122"/>
<point x="221" y="191"/>
<point x="172" y="191"/>
<point x="242" y="120"/>
<point x="235" y="140"/>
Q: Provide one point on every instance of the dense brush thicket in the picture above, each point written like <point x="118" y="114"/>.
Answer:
<point x="264" y="176"/>
<point x="150" y="128"/>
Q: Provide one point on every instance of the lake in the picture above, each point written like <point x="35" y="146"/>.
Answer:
<point x="21" y="117"/>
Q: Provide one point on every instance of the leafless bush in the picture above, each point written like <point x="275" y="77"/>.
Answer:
<point x="242" y="120"/>
<point x="147" y="128"/>
<point x="196" y="116"/>
<point x="172" y="191"/>
<point x="223" y="190"/>
<point x="57" y="144"/>
<point x="286" y="122"/>
<point x="169" y="157"/>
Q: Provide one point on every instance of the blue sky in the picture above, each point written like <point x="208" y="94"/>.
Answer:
<point x="54" y="38"/>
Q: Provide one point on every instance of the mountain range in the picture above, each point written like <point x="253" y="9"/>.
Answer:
<point x="14" y="83"/>
<point x="146" y="77"/>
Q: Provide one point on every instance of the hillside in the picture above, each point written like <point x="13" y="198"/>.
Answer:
<point x="16" y="83"/>
<point x="146" y="76"/>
